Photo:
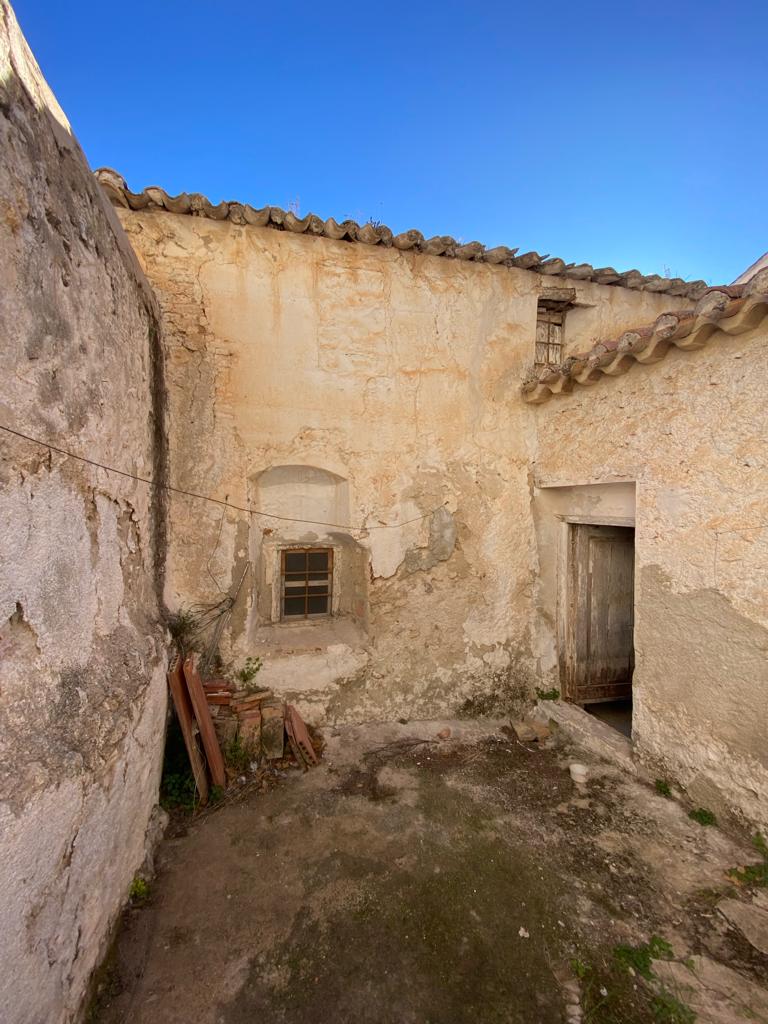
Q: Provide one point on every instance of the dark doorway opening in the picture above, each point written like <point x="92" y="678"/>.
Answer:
<point x="599" y="642"/>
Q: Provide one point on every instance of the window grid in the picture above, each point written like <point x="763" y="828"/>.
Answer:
<point x="306" y="581"/>
<point x="549" y="337"/>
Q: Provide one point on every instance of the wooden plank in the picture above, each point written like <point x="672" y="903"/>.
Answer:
<point x="205" y="722"/>
<point x="186" y="717"/>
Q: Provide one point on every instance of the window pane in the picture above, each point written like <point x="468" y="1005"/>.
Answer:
<point x="295" y="561"/>
<point x="293" y="605"/>
<point x="312" y="575"/>
<point x="318" y="560"/>
<point x="317" y="605"/>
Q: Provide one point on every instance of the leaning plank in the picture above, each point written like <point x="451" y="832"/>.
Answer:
<point x="186" y="717"/>
<point x="205" y="722"/>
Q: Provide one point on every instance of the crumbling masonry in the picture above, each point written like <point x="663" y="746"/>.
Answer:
<point x="371" y="396"/>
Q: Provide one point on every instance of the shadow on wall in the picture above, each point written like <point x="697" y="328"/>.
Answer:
<point x="317" y="496"/>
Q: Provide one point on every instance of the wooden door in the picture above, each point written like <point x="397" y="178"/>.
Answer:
<point x="600" y="613"/>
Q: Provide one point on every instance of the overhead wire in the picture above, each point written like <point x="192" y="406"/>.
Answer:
<point x="216" y="501"/>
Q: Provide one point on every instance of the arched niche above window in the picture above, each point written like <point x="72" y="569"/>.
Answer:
<point x="302" y="492"/>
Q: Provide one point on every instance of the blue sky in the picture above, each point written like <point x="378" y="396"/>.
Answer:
<point x="631" y="135"/>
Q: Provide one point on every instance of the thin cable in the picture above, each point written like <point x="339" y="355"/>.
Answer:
<point x="216" y="501"/>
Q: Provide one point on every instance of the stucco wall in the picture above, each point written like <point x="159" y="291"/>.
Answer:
<point x="395" y="375"/>
<point x="690" y="432"/>
<point x="82" y="693"/>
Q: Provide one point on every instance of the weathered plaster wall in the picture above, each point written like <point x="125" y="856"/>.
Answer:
<point x="691" y="432"/>
<point x="82" y="693"/>
<point x="395" y="375"/>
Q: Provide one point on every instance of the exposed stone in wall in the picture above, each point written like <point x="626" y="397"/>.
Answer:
<point x="82" y="691"/>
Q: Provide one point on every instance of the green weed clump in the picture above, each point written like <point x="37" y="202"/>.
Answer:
<point x="663" y="787"/>
<point x="703" y="816"/>
<point x="239" y="754"/>
<point x="754" y="874"/>
<point x="640" y="958"/>
<point x="139" y="891"/>
<point x="246" y="675"/>
<point x="553" y="694"/>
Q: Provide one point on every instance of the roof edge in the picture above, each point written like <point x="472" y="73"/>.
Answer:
<point x="732" y="309"/>
<point x="195" y="204"/>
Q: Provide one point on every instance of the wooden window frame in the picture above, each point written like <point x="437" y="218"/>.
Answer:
<point x="305" y="591"/>
<point x="550" y="351"/>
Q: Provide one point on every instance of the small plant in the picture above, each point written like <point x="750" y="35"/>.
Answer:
<point x="662" y="787"/>
<point x="579" y="968"/>
<point x="139" y="891"/>
<point x="178" y="791"/>
<point x="640" y="958"/>
<point x="668" y="1010"/>
<point x="754" y="874"/>
<point x="216" y="794"/>
<point x="248" y="673"/>
<point x="239" y="754"/>
<point x="703" y="816"/>
<point x="553" y="694"/>
<point x="183" y="626"/>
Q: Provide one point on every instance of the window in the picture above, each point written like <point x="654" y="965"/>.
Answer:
<point x="549" y="337"/>
<point x="554" y="303"/>
<point x="306" y="577"/>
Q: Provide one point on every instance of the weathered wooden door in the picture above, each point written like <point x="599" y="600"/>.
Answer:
<point x="599" y="656"/>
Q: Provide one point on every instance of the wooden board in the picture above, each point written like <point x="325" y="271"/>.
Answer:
<point x="186" y="717"/>
<point x="205" y="722"/>
<point x="600" y="656"/>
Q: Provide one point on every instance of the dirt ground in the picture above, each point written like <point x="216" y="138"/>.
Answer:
<point x="413" y="880"/>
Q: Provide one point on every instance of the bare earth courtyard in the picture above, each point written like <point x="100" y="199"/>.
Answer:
<point x="417" y="880"/>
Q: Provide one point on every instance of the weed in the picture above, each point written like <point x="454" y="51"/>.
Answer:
<point x="183" y="626"/>
<point x="668" y="1010"/>
<point x="248" y="673"/>
<point x="553" y="694"/>
<point x="239" y="753"/>
<point x="177" y="785"/>
<point x="640" y="958"/>
<point x="703" y="816"/>
<point x="139" y="891"/>
<point x="662" y="787"/>
<point x="754" y="874"/>
<point x="178" y="791"/>
<point x="579" y="968"/>
<point x="216" y="794"/>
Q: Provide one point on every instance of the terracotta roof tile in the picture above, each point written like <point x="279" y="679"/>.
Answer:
<point x="196" y="205"/>
<point x="732" y="309"/>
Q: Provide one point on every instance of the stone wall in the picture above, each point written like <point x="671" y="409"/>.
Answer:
<point x="82" y="691"/>
<point x="689" y="432"/>
<point x="358" y="385"/>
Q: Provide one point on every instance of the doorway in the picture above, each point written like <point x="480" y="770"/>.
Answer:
<point x="599" y="617"/>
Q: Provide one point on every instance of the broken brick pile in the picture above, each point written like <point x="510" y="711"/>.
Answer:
<point x="263" y="723"/>
<point x="213" y="716"/>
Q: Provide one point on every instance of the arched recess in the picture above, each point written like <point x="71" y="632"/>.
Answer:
<point x="302" y="492"/>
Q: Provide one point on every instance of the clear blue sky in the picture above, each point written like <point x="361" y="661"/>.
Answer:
<point x="626" y="134"/>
